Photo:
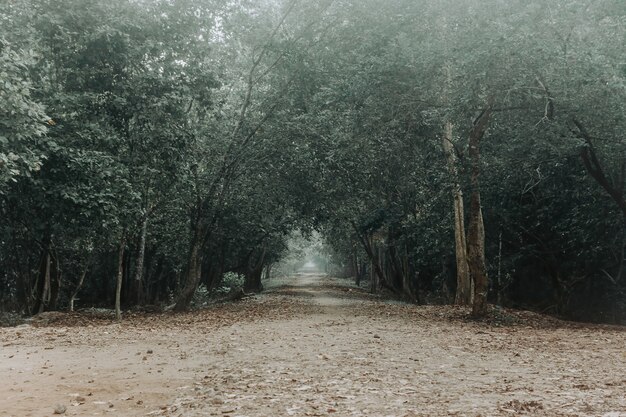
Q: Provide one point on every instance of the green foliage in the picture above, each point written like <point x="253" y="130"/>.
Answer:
<point x="226" y="126"/>
<point x="22" y="120"/>
<point x="230" y="281"/>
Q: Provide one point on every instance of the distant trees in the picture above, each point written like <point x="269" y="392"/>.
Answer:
<point x="147" y="148"/>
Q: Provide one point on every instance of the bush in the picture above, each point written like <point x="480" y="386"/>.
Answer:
<point x="201" y="297"/>
<point x="230" y="282"/>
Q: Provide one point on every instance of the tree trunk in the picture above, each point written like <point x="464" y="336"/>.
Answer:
<point x="463" y="280"/>
<point x="45" y="292"/>
<point x="158" y="289"/>
<point x="497" y="285"/>
<point x="476" y="252"/>
<point x="357" y="270"/>
<point x="194" y="274"/>
<point x="55" y="283"/>
<point x="476" y="232"/>
<point x="120" y="277"/>
<point x="407" y="288"/>
<point x="612" y="184"/>
<point x="40" y="290"/>
<point x="23" y="280"/>
<point x="253" y="274"/>
<point x="379" y="276"/>
<point x="559" y="290"/>
<point x="595" y="168"/>
<point x="398" y="277"/>
<point x="373" y="278"/>
<point x="81" y="281"/>
<point x="252" y="283"/>
<point x="268" y="272"/>
<point x="138" y="290"/>
<point x="622" y="253"/>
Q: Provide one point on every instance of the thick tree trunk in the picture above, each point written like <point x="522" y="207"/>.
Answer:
<point x="476" y="252"/>
<point x="138" y="288"/>
<point x="194" y="274"/>
<point x="476" y="232"/>
<point x="407" y="286"/>
<point x="377" y="275"/>
<point x="253" y="274"/>
<point x="399" y="280"/>
<point x="380" y="259"/>
<point x="463" y="280"/>
<point x="377" y="264"/>
<point x="120" y="277"/>
<point x="252" y="283"/>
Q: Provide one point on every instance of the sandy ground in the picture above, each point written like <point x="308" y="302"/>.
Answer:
<point x="313" y="346"/>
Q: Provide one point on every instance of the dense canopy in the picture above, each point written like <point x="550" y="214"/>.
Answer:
<point x="446" y="151"/>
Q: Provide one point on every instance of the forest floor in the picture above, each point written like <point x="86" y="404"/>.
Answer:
<point x="313" y="346"/>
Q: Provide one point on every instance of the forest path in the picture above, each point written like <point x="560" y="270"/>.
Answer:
<point x="313" y="346"/>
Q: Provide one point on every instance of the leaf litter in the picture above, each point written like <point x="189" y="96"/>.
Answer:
<point x="313" y="346"/>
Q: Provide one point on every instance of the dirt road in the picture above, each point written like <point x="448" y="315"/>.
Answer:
<point x="313" y="346"/>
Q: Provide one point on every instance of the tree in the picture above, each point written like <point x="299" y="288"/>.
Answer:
<point x="23" y="123"/>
